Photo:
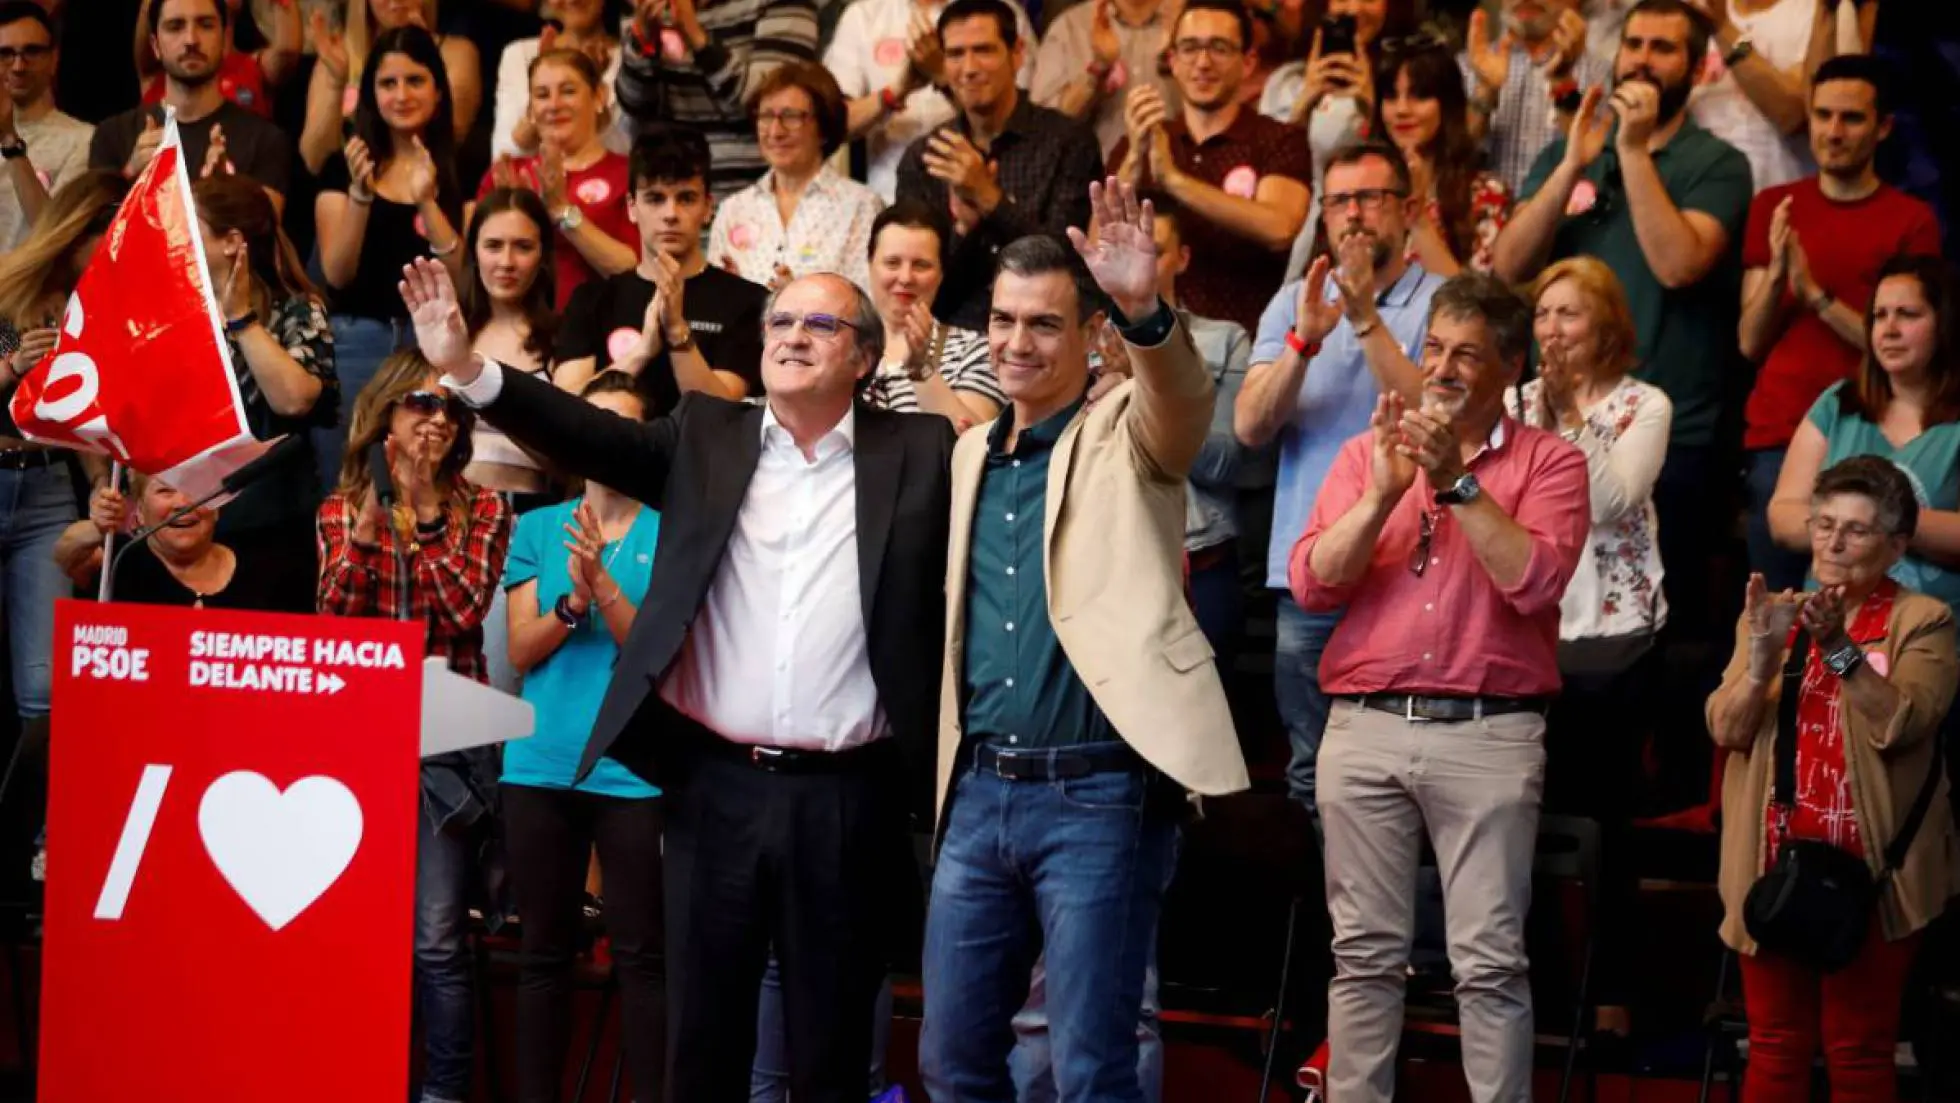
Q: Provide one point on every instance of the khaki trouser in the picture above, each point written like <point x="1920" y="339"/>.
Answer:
<point x="1475" y="785"/>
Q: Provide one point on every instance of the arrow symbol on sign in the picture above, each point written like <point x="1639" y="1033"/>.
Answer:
<point x="329" y="683"/>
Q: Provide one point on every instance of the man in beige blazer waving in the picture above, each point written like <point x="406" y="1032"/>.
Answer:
<point x="1079" y="700"/>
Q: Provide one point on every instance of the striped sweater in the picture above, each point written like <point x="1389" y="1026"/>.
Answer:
<point x="709" y="90"/>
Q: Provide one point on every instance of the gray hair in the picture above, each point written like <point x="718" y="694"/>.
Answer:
<point x="1491" y="300"/>
<point x="867" y="328"/>
<point x="1894" y="498"/>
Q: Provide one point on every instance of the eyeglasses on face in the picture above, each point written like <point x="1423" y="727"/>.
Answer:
<point x="1220" y="49"/>
<point x="431" y="403"/>
<point x="1369" y="199"/>
<point x="789" y="118"/>
<point x="30" y="54"/>
<point x="782" y="323"/>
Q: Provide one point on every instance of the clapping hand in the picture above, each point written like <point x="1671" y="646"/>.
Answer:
<point x="1770" y="618"/>
<point x="1569" y="42"/>
<point x="953" y="159"/>
<point x="551" y="177"/>
<point x="146" y="146"/>
<point x="923" y="51"/>
<point x="1558" y="398"/>
<point x="360" y="171"/>
<point x="1123" y="256"/>
<point x="216" y="163"/>
<point x="1586" y="138"/>
<point x="331" y="48"/>
<point x="1316" y="314"/>
<point x="1393" y="471"/>
<point x="1490" y="61"/>
<point x="1429" y="440"/>
<point x="421" y="174"/>
<point x="670" y="294"/>
<point x="1823" y="617"/>
<point x="584" y="562"/>
<point x="908" y="342"/>
<point x="1780" y="236"/>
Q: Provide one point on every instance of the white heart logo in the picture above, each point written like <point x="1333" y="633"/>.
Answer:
<point x="279" y="851"/>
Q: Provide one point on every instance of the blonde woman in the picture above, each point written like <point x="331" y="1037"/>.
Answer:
<point x="1613" y="606"/>
<point x="330" y="97"/>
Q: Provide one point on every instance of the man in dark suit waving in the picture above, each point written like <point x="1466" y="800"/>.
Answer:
<point x="781" y="678"/>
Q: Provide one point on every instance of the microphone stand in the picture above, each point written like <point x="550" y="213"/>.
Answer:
<point x="143" y="534"/>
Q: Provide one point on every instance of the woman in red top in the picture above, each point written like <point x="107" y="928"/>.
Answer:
<point x="583" y="184"/>
<point x="436" y="558"/>
<point x="1878" y="676"/>
<point x="245" y="78"/>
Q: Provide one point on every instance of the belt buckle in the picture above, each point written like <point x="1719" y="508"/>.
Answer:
<point x="1409" y="710"/>
<point x="765" y="757"/>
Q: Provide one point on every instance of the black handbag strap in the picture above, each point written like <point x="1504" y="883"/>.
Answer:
<point x="1785" y="794"/>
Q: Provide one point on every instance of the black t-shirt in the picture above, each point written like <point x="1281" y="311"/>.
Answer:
<point x="255" y="147"/>
<point x="724" y="311"/>
<point x="142" y="577"/>
<point x="393" y="239"/>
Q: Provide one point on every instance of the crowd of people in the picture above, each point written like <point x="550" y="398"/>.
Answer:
<point x="847" y="420"/>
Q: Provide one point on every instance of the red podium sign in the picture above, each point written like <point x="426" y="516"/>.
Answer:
<point x="231" y="863"/>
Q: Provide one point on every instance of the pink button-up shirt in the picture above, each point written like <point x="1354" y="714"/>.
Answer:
<point x="1452" y="630"/>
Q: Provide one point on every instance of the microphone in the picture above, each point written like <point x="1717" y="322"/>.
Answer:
<point x="266" y="462"/>
<point x="379" y="474"/>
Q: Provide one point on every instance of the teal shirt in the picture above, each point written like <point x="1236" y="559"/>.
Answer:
<point x="1687" y="336"/>
<point x="568" y="687"/>
<point x="1020" y="691"/>
<point x="1931" y="460"/>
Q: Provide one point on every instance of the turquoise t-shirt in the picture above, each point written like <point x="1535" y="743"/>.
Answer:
<point x="568" y="687"/>
<point x="1931" y="460"/>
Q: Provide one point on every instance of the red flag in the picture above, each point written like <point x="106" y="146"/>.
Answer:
<point x="141" y="369"/>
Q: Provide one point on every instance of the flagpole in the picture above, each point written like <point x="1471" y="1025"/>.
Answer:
<point x="104" y="587"/>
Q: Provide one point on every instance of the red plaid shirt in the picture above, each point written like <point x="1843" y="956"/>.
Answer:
<point x="447" y="578"/>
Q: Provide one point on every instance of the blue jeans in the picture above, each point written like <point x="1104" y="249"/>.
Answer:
<point x="1302" y="637"/>
<point x="35" y="506"/>
<point x="443" y="861"/>
<point x="359" y="347"/>
<point x="769" y="1078"/>
<point x="1782" y="568"/>
<point x="1076" y="869"/>
<point x="1033" y="1060"/>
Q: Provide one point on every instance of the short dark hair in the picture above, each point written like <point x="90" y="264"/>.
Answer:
<point x="13" y="11"/>
<point x="1858" y="67"/>
<point x="1699" y="29"/>
<point x="1164" y="205"/>
<point x="156" y="13"/>
<point x="614" y="381"/>
<point x="1353" y="153"/>
<point x="1003" y="16"/>
<point x="1040" y="254"/>
<point x="1504" y="311"/>
<point x="668" y="154"/>
<point x="828" y="108"/>
<point x="1889" y="488"/>
<point x="1229" y="7"/>
<point x="913" y="214"/>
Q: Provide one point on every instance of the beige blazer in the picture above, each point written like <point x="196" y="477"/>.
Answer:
<point x="1114" y="554"/>
<point x="1886" y="761"/>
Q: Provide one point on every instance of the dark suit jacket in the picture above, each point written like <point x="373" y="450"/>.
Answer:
<point x="694" y="466"/>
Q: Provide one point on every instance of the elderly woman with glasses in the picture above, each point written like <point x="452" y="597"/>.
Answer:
<point x="802" y="216"/>
<point x="1871" y="666"/>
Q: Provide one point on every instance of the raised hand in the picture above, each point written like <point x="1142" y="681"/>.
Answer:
<point x="1392" y="472"/>
<point x="440" y="330"/>
<point x="1771" y="616"/>
<point x="146" y="147"/>
<point x="1104" y="46"/>
<point x="1569" y="45"/>
<point x="1123" y="257"/>
<point x="331" y="47"/>
<point x="922" y="49"/>
<point x="1586" y="139"/>
<point x="1317" y="315"/>
<point x="1490" y="61"/>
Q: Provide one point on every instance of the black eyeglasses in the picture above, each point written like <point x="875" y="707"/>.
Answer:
<point x="11" y="54"/>
<point x="1220" y="49"/>
<point x="789" y="118"/>
<point x="431" y="403"/>
<point x="1370" y="199"/>
<point x="1425" y="539"/>
<point x="782" y="323"/>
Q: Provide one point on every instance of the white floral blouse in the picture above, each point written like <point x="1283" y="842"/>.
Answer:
<point x="1616" y="590"/>
<point x="830" y="230"/>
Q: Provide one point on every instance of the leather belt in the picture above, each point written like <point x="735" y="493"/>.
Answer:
<point x="1052" y="765"/>
<point x="22" y="459"/>
<point x="794" y="760"/>
<point x="1448" y="709"/>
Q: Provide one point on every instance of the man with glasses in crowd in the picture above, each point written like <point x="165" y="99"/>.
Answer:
<point x="1005" y="167"/>
<point x="1662" y="202"/>
<point x="1447" y="531"/>
<point x="40" y="148"/>
<point x="1326" y="347"/>
<point x="1240" y="178"/>
<point x="781" y="681"/>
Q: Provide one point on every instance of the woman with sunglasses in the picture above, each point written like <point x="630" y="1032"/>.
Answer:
<point x="389" y="197"/>
<point x="577" y="574"/>
<point x="801" y="216"/>
<point x="436" y="557"/>
<point x="1903" y="405"/>
<point x="582" y="183"/>
<point x="1424" y="111"/>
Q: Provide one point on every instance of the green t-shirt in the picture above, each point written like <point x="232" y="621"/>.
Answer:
<point x="1931" y="460"/>
<point x="1687" y="336"/>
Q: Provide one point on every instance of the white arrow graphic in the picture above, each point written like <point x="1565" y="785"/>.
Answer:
<point x="329" y="683"/>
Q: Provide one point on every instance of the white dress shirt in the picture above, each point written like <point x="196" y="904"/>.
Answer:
<point x="866" y="54"/>
<point x="777" y="655"/>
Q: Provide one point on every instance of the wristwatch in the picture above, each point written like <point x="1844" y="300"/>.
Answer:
<point x="571" y="218"/>
<point x="13" y="150"/>
<point x="680" y="346"/>
<point x="1821" y="301"/>
<point x="1465" y="490"/>
<point x="1738" y="53"/>
<point x="242" y="323"/>
<point x="563" y="611"/>
<point x="1845" y="659"/>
